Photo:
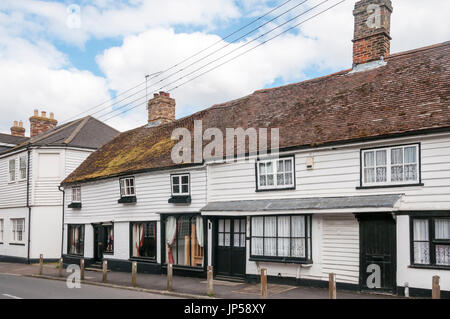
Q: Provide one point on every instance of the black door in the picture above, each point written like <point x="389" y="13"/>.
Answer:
<point x="230" y="260"/>
<point x="98" y="242"/>
<point x="377" y="252"/>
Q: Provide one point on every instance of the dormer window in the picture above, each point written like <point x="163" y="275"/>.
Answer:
<point x="76" y="197"/>
<point x="127" y="190"/>
<point x="181" y="190"/>
<point x="275" y="174"/>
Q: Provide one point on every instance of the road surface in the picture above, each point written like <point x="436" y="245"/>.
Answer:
<point x="17" y="287"/>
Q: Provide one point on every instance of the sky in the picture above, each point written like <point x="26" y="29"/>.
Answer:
<point x="80" y="57"/>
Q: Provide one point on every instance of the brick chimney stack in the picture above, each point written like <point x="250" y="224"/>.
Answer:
<point x="372" y="30"/>
<point x="161" y="109"/>
<point x="41" y="124"/>
<point x="17" y="129"/>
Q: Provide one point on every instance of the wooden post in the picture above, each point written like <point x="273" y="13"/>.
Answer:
<point x="60" y="267"/>
<point x="82" y="269"/>
<point x="169" y="277"/>
<point x="41" y="264"/>
<point x="332" y="285"/>
<point x="134" y="274"/>
<point x="105" y="270"/>
<point x="210" y="284"/>
<point x="263" y="283"/>
<point x="436" y="294"/>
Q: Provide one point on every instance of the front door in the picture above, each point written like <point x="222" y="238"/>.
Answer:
<point x="377" y="252"/>
<point x="231" y="239"/>
<point x="98" y="242"/>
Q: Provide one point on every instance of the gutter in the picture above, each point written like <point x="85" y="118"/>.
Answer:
<point x="28" y="201"/>
<point x="63" y="204"/>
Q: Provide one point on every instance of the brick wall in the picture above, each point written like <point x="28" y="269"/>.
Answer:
<point x="161" y="109"/>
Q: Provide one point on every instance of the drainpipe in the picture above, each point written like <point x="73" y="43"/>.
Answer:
<point x="63" y="204"/>
<point x="28" y="201"/>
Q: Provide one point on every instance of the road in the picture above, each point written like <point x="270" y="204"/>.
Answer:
<point x="17" y="287"/>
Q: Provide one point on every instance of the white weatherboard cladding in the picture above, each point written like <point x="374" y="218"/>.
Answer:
<point x="121" y="242"/>
<point x="337" y="173"/>
<point x="46" y="225"/>
<point x="13" y="194"/>
<point x="99" y="199"/>
<point x="417" y="278"/>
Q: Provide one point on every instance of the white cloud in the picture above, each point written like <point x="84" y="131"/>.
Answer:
<point x="39" y="76"/>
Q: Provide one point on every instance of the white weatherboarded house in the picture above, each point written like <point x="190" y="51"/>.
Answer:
<point x="30" y="174"/>
<point x="360" y="187"/>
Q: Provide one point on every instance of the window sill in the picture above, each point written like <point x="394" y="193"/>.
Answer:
<point x="429" y="267"/>
<point x="391" y="186"/>
<point x="275" y="189"/>
<point x="17" y="244"/>
<point x="180" y="199"/>
<point x="127" y="200"/>
<point x="282" y="260"/>
<point x="74" y="205"/>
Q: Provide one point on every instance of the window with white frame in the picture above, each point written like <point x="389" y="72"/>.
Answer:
<point x="76" y="194"/>
<point x="180" y="185"/>
<point x="281" y="237"/>
<point x="12" y="170"/>
<point x="23" y="167"/>
<point x="1" y="230"/>
<point x="127" y="187"/>
<point x="390" y="166"/>
<point x="275" y="173"/>
<point x="18" y="229"/>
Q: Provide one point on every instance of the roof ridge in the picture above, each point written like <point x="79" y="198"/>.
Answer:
<point x="77" y="130"/>
<point x="425" y="48"/>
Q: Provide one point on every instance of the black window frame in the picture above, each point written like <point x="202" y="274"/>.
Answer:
<point x="83" y="227"/>
<point x="431" y="240"/>
<point x="275" y="188"/>
<point x="308" y="259"/>
<point x="390" y="184"/>
<point x="139" y="258"/>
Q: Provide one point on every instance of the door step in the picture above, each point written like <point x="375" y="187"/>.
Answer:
<point x="230" y="279"/>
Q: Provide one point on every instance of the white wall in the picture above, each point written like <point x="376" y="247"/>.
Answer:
<point x="12" y="250"/>
<point x="121" y="241"/>
<point x="417" y="278"/>
<point x="46" y="232"/>
<point x="337" y="173"/>
<point x="12" y="194"/>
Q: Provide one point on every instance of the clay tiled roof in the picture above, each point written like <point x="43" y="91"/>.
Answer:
<point x="410" y="94"/>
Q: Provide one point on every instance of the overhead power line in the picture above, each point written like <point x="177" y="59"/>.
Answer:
<point x="235" y="57"/>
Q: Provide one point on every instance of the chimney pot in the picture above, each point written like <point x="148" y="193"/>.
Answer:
<point x="16" y="123"/>
<point x="41" y="124"/>
<point x="44" y="114"/>
<point x="155" y="95"/>
<point x="20" y="124"/>
<point x="36" y="112"/>
<point x="52" y="115"/>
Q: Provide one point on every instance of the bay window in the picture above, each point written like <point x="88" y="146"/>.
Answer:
<point x="397" y="165"/>
<point x="185" y="240"/>
<point x="275" y="174"/>
<point x="75" y="239"/>
<point x="430" y="241"/>
<point x="144" y="240"/>
<point x="281" y="237"/>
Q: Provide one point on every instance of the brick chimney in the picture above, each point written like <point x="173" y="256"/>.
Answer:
<point x="41" y="124"/>
<point x="372" y="30"/>
<point x="17" y="129"/>
<point x="161" y="109"/>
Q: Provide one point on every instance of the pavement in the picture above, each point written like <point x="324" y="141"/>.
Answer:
<point x="154" y="286"/>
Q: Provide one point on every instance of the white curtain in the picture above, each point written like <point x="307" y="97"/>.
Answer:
<point x="270" y="234"/>
<point x="442" y="228"/>
<point x="200" y="233"/>
<point x="421" y="244"/>
<point x="298" y="234"/>
<point x="171" y="230"/>
<point x="258" y="231"/>
<point x="284" y="230"/>
<point x="135" y="239"/>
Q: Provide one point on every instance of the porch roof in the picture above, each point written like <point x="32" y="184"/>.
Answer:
<point x="372" y="202"/>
